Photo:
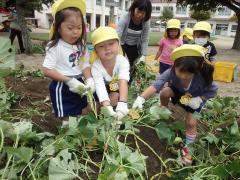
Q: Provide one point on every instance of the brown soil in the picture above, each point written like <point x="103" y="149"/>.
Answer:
<point x="33" y="93"/>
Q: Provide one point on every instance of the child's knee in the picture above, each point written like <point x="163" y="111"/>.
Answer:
<point x="166" y="92"/>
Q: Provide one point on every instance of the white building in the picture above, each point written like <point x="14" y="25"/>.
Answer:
<point x="220" y="22"/>
<point x="99" y="13"/>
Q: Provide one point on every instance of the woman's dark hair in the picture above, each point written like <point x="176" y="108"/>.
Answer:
<point x="59" y="18"/>
<point x="202" y="33"/>
<point x="168" y="33"/>
<point x="195" y="65"/>
<point x="142" y="5"/>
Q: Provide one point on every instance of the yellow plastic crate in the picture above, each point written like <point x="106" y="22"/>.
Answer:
<point x="224" y="71"/>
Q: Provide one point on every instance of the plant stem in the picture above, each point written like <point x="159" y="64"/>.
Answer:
<point x="160" y="159"/>
<point x="145" y="168"/>
<point x="2" y="139"/>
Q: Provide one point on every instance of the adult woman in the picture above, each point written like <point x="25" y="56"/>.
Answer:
<point x="133" y="30"/>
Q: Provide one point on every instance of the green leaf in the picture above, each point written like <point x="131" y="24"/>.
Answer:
<point x="220" y="171"/>
<point x="211" y="138"/>
<point x="63" y="166"/>
<point x="234" y="130"/>
<point x="136" y="162"/>
<point x="23" y="153"/>
<point x="164" y="132"/>
<point x="121" y="175"/>
<point x="22" y="127"/>
<point x="160" y="113"/>
<point x="108" y="173"/>
<point x="233" y="167"/>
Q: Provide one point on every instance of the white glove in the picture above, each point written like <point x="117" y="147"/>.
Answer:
<point x="195" y="102"/>
<point x="138" y="103"/>
<point x="90" y="84"/>
<point x="122" y="110"/>
<point x="110" y="111"/>
<point x="141" y="59"/>
<point x="76" y="86"/>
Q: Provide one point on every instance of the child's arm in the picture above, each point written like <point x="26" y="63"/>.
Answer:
<point x="123" y="90"/>
<point x="159" y="52"/>
<point x="151" y="90"/>
<point x="55" y="75"/>
<point x="100" y="86"/>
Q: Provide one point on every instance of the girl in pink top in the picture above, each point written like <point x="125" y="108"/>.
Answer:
<point x="170" y="41"/>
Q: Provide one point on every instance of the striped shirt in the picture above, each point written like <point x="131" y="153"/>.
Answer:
<point x="133" y="33"/>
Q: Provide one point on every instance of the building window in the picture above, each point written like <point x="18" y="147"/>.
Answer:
<point x="98" y="2"/>
<point x="182" y="25"/>
<point x="224" y="11"/>
<point x="156" y="9"/>
<point x="190" y="25"/>
<point x="181" y="10"/>
<point x="234" y="28"/>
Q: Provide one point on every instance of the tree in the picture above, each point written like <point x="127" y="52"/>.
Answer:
<point x="24" y="8"/>
<point x="167" y="14"/>
<point x="212" y="6"/>
<point x="200" y="15"/>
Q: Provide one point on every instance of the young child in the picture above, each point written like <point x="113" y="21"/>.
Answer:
<point x="190" y="84"/>
<point x="187" y="35"/>
<point x="110" y="72"/>
<point x="170" y="41"/>
<point x="67" y="61"/>
<point x="201" y="34"/>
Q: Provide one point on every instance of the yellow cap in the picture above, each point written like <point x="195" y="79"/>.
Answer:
<point x="202" y="26"/>
<point x="62" y="4"/>
<point x="173" y="23"/>
<point x="188" y="50"/>
<point x="188" y="32"/>
<point x="102" y="34"/>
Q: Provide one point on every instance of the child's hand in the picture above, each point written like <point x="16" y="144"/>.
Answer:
<point x="90" y="84"/>
<point x="122" y="110"/>
<point x="195" y="102"/>
<point x="138" y="103"/>
<point x="110" y="111"/>
<point x="76" y="86"/>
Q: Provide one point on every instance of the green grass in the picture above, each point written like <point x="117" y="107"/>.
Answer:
<point x="153" y="39"/>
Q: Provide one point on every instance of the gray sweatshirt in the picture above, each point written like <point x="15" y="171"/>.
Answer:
<point x="123" y="24"/>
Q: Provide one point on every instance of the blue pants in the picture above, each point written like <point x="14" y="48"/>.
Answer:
<point x="163" y="67"/>
<point x="66" y="103"/>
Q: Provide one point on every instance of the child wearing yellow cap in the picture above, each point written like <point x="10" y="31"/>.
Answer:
<point x="201" y="34"/>
<point x="110" y="72"/>
<point x="190" y="84"/>
<point x="170" y="41"/>
<point x="67" y="60"/>
<point x="187" y="35"/>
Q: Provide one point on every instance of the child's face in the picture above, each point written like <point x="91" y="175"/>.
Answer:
<point x="139" y="15"/>
<point x="173" y="33"/>
<point x="183" y="76"/>
<point x="71" y="29"/>
<point x="107" y="50"/>
<point x="198" y="34"/>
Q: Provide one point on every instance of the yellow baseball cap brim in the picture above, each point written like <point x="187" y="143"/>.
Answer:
<point x="188" y="50"/>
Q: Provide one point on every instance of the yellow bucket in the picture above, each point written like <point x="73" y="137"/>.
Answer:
<point x="224" y="71"/>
